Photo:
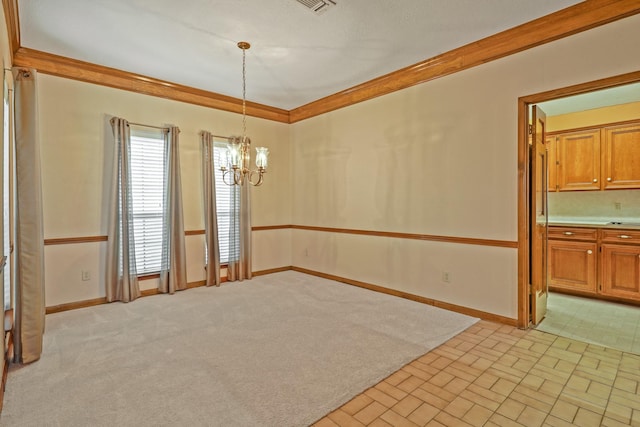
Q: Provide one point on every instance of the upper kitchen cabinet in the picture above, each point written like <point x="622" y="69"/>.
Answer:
<point x="602" y="158"/>
<point x="621" y="156"/>
<point x="578" y="165"/>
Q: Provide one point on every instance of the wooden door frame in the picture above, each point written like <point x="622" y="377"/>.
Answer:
<point x="524" y="186"/>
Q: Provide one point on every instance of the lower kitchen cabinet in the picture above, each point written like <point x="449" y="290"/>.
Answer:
<point x="621" y="271"/>
<point x="573" y="265"/>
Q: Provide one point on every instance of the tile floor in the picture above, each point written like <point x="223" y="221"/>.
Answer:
<point x="594" y="321"/>
<point x="497" y="375"/>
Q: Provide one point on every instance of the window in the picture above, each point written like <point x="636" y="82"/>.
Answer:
<point x="226" y="207"/>
<point x="148" y="182"/>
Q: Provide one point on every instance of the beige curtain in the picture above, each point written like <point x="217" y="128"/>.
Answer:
<point x="122" y="279"/>
<point x="212" y="247"/>
<point x="240" y="234"/>
<point x="173" y="274"/>
<point x="30" y="301"/>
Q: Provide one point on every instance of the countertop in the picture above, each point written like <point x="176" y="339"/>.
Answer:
<point x="625" y="223"/>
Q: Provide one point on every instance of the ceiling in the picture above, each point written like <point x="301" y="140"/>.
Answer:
<point x="297" y="56"/>
<point x="592" y="100"/>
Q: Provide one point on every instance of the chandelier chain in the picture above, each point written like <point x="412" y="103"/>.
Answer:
<point x="244" y="95"/>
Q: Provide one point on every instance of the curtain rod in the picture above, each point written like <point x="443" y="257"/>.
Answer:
<point x="220" y="136"/>
<point x="149" y="126"/>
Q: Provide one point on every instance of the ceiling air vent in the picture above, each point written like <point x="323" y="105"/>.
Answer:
<point x="317" y="6"/>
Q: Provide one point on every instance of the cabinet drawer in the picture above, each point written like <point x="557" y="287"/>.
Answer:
<point x="621" y="236"/>
<point x="572" y="233"/>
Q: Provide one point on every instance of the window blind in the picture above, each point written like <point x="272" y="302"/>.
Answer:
<point x="225" y="207"/>
<point x="148" y="181"/>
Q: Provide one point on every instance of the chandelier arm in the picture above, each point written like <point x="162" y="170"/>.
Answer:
<point x="225" y="173"/>
<point x="259" y="173"/>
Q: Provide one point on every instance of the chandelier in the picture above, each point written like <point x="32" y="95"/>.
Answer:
<point x="236" y="159"/>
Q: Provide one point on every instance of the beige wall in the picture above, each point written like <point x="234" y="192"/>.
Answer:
<point x="75" y="172"/>
<point x="439" y="158"/>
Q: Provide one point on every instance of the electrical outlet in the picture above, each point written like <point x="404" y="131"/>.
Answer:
<point x="618" y="205"/>
<point x="86" y="275"/>
<point x="445" y="277"/>
<point x="306" y="252"/>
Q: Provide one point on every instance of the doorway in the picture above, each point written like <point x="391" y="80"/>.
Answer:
<point x="530" y="255"/>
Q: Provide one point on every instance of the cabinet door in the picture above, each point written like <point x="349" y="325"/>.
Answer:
<point x="572" y="265"/>
<point x="579" y="160"/>
<point x="621" y="271"/>
<point x="553" y="160"/>
<point x="621" y="157"/>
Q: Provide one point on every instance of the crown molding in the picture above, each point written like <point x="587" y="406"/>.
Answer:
<point x="10" y="8"/>
<point x="61" y="66"/>
<point x="574" y="19"/>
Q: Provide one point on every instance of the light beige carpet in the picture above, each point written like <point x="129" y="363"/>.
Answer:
<point x="279" y="350"/>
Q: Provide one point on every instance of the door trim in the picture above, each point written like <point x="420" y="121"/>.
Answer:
<point x="524" y="186"/>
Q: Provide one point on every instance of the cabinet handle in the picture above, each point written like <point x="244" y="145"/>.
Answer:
<point x="568" y="233"/>
<point x="609" y="179"/>
<point x="624" y="236"/>
<point x="595" y="179"/>
<point x="589" y="252"/>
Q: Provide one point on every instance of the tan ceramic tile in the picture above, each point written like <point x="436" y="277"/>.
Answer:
<point x="421" y="370"/>
<point x="564" y="410"/>
<point x="491" y="395"/>
<point x="356" y="404"/>
<point x="477" y="415"/>
<point x="434" y="423"/>
<point x="397" y="377"/>
<point x="441" y="379"/>
<point x="622" y="383"/>
<point x="481" y="400"/>
<point x="392" y="391"/>
<point x="407" y="405"/>
<point x="325" y="422"/>
<point x="511" y="409"/>
<point x="410" y="384"/>
<point x="397" y="420"/>
<point x="430" y="398"/>
<point x="423" y="414"/>
<point x="586" y="418"/>
<point x="449" y="420"/>
<point x="552" y="421"/>
<point x="381" y="397"/>
<point x="502" y="421"/>
<point x="343" y="419"/>
<point x="531" y="417"/>
<point x="369" y="413"/>
<point x="503" y="387"/>
<point x="456" y="385"/>
<point x="618" y="412"/>
<point x="458" y="407"/>
<point x="609" y="422"/>
<point x="379" y="422"/>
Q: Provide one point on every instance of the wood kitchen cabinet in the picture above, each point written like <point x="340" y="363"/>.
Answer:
<point x="572" y="262"/>
<point x="621" y="263"/>
<point x="572" y="265"/>
<point x="599" y="262"/>
<point x="578" y="162"/>
<point x="621" y="271"/>
<point x="621" y="156"/>
<point x="603" y="158"/>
